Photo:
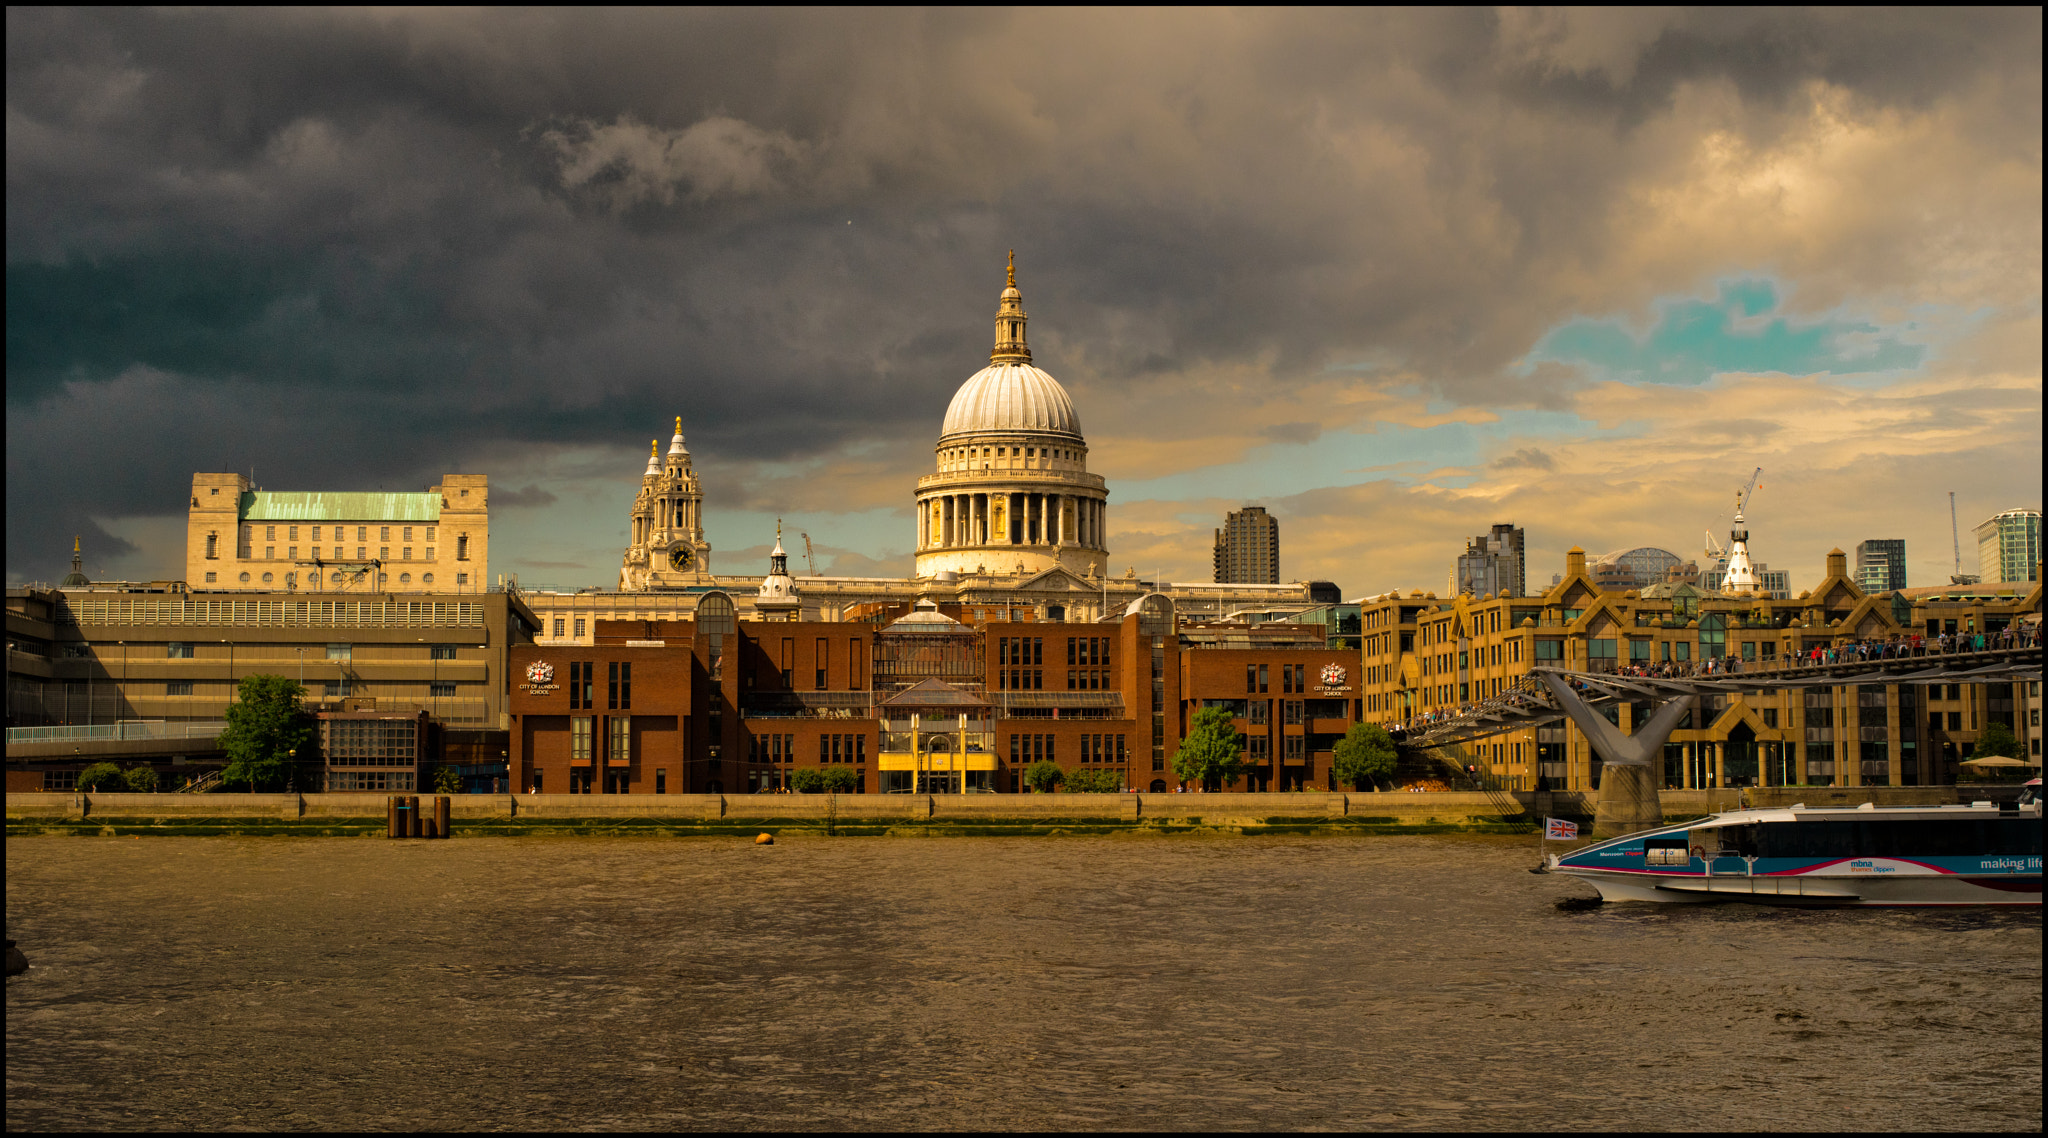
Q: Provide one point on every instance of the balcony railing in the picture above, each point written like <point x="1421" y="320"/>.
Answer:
<point x="117" y="732"/>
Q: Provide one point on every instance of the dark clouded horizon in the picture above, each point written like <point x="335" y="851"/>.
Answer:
<point x="1399" y="274"/>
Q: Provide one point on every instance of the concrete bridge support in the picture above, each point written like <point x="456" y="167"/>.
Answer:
<point x="1628" y="780"/>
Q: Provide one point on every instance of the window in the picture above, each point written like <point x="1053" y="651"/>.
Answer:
<point x="579" y="626"/>
<point x="245" y="578"/>
<point x="269" y="553"/>
<point x="340" y="652"/>
<point x="1549" y="650"/>
<point x="266" y="578"/>
<point x="408" y="533"/>
<point x="178" y="687"/>
<point x="405" y="554"/>
<point x="209" y="577"/>
<point x="430" y="537"/>
<point x="579" y="685"/>
<point x="462" y="547"/>
<point x="430" y="553"/>
<point x="1262" y="679"/>
<point x="212" y="549"/>
<point x="383" y="533"/>
<point x="1639" y="651"/>
<point x="661" y="782"/>
<point x="177" y="651"/>
<point x="822" y="662"/>
<point x="558" y="626"/>
<point x="441" y="652"/>
<point x="316" y="535"/>
<point x="579" y="738"/>
<point x="441" y="689"/>
<point x="362" y="553"/>
<point x="619" y="686"/>
<point x="270" y="533"/>
<point x="383" y="553"/>
<point x="291" y="553"/>
<point x="426" y="578"/>
<point x="335" y="689"/>
<point x="405" y="578"/>
<point x="621" y="748"/>
<point x="1260" y="710"/>
<point x="462" y="578"/>
<point x="1292" y="708"/>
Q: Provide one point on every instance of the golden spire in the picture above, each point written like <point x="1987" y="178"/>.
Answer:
<point x="653" y="447"/>
<point x="1013" y="269"/>
<point x="679" y="424"/>
<point x="74" y="545"/>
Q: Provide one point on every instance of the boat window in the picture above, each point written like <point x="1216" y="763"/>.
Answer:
<point x="1933" y="837"/>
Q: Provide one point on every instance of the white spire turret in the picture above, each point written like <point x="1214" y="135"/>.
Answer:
<point x="653" y="460"/>
<point x="675" y="445"/>
<point x="777" y="598"/>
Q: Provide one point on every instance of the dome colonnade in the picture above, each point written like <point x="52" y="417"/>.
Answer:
<point x="1012" y="492"/>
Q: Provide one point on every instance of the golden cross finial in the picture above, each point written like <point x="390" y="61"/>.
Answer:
<point x="778" y="531"/>
<point x="1013" y="268"/>
<point x="653" y="447"/>
<point x="679" y="424"/>
<point x="74" y="543"/>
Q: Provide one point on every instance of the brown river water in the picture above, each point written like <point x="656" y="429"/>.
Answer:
<point x="1007" y="983"/>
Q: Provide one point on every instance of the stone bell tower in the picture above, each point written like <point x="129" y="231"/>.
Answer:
<point x="668" y="549"/>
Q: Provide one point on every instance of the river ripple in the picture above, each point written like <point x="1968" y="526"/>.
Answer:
<point x="1123" y="982"/>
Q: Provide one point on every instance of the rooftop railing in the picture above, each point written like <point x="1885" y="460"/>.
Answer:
<point x="135" y="729"/>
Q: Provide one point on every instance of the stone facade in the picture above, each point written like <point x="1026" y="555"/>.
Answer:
<point x="240" y="538"/>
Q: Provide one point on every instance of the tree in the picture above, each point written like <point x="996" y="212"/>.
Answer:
<point x="1364" y="755"/>
<point x="267" y="728"/>
<point x="1995" y="740"/>
<point x="447" y="780"/>
<point x="1044" y="775"/>
<point x="840" y="780"/>
<point x="807" y="780"/>
<point x="102" y="776"/>
<point x="1212" y="755"/>
<point x="141" y="780"/>
<point x="1082" y="780"/>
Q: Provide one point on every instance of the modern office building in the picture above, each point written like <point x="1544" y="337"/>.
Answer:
<point x="239" y="538"/>
<point x="1493" y="563"/>
<point x="1881" y="564"/>
<point x="2009" y="546"/>
<point x="1248" y="548"/>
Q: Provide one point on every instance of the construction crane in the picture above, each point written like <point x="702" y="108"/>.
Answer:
<point x="808" y="558"/>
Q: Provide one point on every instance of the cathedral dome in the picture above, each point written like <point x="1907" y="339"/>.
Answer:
<point x="1011" y="397"/>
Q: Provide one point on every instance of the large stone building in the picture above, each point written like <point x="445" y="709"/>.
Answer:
<point x="1012" y="490"/>
<point x="1423" y="654"/>
<point x="241" y="538"/>
<point x="1010" y="523"/>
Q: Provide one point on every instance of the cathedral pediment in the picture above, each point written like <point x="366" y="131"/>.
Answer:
<point x="1056" y="580"/>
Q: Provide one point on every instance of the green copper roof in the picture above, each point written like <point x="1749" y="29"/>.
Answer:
<point x="310" y="506"/>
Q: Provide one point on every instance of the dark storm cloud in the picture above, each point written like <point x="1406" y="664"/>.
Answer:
<point x="355" y="249"/>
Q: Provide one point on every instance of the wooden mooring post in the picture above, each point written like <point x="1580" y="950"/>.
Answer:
<point x="403" y="818"/>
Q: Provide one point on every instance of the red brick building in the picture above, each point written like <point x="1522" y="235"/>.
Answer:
<point x="921" y="702"/>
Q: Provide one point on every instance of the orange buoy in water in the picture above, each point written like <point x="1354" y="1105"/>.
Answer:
<point x="765" y="840"/>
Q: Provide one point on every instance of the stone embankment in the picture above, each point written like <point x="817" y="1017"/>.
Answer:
<point x="903" y="814"/>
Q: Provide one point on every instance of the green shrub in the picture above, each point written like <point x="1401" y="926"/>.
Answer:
<point x="840" y="780"/>
<point x="1085" y="781"/>
<point x="102" y="776"/>
<point x="447" y="780"/>
<point x="807" y="780"/>
<point x="1044" y="775"/>
<point x="141" y="780"/>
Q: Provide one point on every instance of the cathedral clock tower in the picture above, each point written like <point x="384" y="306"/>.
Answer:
<point x="668" y="549"/>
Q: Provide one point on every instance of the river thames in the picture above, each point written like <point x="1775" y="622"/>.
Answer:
<point x="972" y="983"/>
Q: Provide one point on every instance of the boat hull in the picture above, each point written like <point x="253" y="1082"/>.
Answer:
<point x="1814" y="890"/>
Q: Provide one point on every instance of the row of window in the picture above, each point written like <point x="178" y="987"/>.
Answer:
<point x="291" y="580"/>
<point x="248" y="543"/>
<point x="583" y="684"/>
<point x="1293" y="678"/>
<point x="291" y="553"/>
<point x="340" y="533"/>
<point x="583" y="733"/>
<point x="842" y="748"/>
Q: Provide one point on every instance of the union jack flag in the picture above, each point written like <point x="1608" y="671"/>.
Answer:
<point x="1559" y="830"/>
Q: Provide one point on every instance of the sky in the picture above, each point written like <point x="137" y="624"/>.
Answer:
<point x="1394" y="275"/>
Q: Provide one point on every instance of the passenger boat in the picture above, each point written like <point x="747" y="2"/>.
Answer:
<point x="1980" y="854"/>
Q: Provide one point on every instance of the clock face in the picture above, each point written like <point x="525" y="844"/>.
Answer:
<point x="680" y="557"/>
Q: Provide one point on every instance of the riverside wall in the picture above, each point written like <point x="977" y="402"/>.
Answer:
<point x="862" y="813"/>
